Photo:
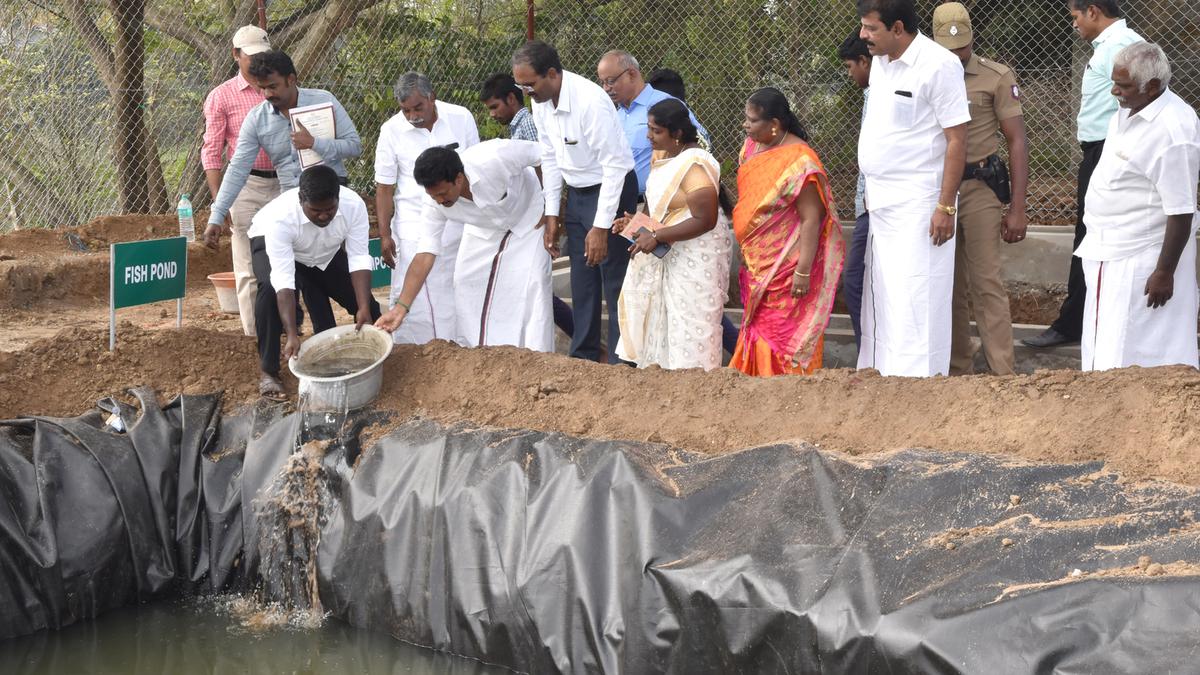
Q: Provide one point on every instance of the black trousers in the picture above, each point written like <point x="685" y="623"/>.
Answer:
<point x="317" y="286"/>
<point x="1070" y="315"/>
<point x="592" y="286"/>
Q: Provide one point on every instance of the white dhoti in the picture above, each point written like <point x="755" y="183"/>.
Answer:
<point x="1119" y="330"/>
<point x="908" y="292"/>
<point x="432" y="316"/>
<point x="502" y="289"/>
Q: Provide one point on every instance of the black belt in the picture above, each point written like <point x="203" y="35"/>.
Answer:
<point x="591" y="189"/>
<point x="1088" y="145"/>
<point x="263" y="174"/>
<point x="976" y="170"/>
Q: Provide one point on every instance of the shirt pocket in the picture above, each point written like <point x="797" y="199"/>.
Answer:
<point x="978" y="103"/>
<point x="904" y="111"/>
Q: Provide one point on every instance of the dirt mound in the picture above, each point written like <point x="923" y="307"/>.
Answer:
<point x="1143" y="422"/>
<point x="66" y="374"/>
<point x="95" y="236"/>
<point x="27" y="280"/>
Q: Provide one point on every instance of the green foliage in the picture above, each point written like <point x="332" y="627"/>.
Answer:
<point x="55" y="114"/>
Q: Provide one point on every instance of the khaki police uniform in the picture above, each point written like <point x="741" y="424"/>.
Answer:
<point x="993" y="95"/>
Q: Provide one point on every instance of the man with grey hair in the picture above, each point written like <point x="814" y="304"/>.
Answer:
<point x="1100" y="23"/>
<point x="1139" y="254"/>
<point x="423" y="122"/>
<point x="621" y="78"/>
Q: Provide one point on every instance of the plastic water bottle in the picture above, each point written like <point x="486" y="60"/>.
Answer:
<point x="187" y="228"/>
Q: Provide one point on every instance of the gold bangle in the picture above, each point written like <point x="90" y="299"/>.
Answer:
<point x="407" y="307"/>
<point x="798" y="273"/>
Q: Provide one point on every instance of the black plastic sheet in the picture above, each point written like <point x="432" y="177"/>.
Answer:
<point x="549" y="553"/>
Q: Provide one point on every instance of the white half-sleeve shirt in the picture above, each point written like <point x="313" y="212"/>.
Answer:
<point x="291" y="238"/>
<point x="1147" y="172"/>
<point x="400" y="143"/>
<point x="505" y="194"/>
<point x="902" y="145"/>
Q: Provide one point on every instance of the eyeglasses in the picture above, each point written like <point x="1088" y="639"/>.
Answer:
<point x="607" y="82"/>
<point x="527" y="88"/>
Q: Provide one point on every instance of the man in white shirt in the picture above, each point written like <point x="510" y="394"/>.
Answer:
<point x="502" y="290"/>
<point x="313" y="237"/>
<point x="1099" y="22"/>
<point x="423" y="122"/>
<point x="583" y="147"/>
<point x="1139" y="254"/>
<point x="911" y="150"/>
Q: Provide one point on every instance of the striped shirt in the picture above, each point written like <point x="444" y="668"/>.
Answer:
<point x="224" y="109"/>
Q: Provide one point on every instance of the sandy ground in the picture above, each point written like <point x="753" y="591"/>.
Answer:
<point x="54" y="361"/>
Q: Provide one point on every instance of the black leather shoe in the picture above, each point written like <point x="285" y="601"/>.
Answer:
<point x="1048" y="338"/>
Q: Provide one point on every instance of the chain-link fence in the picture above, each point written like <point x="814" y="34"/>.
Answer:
<point x="94" y="122"/>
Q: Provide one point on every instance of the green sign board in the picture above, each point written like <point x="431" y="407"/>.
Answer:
<point x="141" y="272"/>
<point x="381" y="275"/>
<point x="148" y="271"/>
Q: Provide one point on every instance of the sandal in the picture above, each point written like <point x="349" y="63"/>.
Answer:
<point x="269" y="387"/>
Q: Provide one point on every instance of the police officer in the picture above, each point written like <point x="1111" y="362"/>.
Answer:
<point x="995" y="102"/>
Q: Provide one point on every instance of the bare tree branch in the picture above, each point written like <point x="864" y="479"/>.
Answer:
<point x="204" y="44"/>
<point x="101" y="51"/>
<point x="294" y="31"/>
<point x="243" y="13"/>
<point x="312" y="50"/>
<point x="309" y="7"/>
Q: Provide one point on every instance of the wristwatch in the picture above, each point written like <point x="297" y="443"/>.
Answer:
<point x="948" y="210"/>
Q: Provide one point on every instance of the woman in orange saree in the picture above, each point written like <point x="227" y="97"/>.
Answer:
<point x="792" y="248"/>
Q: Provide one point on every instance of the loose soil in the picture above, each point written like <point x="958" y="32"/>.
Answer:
<point x="54" y="361"/>
<point x="1141" y="422"/>
<point x="44" y="266"/>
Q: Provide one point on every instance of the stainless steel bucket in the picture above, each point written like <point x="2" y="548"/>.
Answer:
<point x="345" y="392"/>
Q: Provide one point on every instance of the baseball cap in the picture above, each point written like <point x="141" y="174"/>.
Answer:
<point x="952" y="25"/>
<point x="251" y="40"/>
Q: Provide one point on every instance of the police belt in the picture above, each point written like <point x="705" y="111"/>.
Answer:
<point x="978" y="170"/>
<point x="993" y="173"/>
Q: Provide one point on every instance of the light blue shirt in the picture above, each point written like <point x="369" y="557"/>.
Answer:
<point x="266" y="128"/>
<point x="1097" y="104"/>
<point x="633" y="121"/>
<point x="860" y="203"/>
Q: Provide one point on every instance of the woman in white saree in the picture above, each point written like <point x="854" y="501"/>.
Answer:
<point x="670" y="307"/>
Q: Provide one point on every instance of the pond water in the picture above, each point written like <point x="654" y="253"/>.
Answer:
<point x="191" y="637"/>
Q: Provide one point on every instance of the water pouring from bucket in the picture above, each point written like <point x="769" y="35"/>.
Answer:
<point x="341" y="368"/>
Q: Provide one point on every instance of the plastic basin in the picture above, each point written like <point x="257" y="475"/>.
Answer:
<point x="226" y="285"/>
<point x="345" y="392"/>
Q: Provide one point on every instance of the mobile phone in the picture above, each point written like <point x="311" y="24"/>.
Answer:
<point x="662" y="248"/>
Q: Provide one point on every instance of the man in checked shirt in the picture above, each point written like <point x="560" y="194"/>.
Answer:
<point x="224" y="110"/>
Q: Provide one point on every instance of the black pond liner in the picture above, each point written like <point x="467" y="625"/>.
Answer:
<point x="546" y="553"/>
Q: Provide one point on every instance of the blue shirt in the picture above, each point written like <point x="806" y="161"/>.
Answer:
<point x="1097" y="105"/>
<point x="267" y="129"/>
<point x="633" y="121"/>
<point x="522" y="128"/>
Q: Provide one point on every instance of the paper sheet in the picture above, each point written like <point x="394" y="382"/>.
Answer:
<point x="319" y="121"/>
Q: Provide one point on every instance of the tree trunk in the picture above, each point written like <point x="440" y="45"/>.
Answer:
<point x="128" y="96"/>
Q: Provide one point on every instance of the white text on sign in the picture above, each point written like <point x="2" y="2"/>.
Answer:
<point x="137" y="274"/>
